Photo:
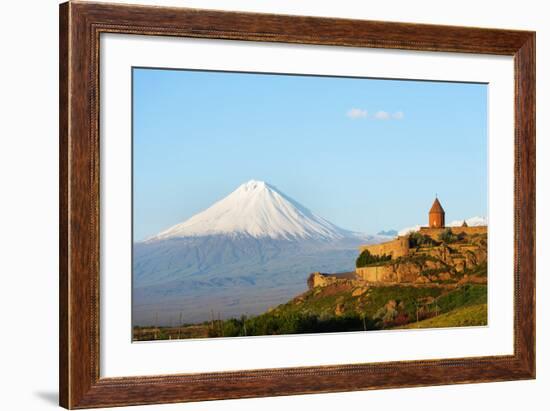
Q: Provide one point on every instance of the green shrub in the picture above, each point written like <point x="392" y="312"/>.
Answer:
<point x="161" y="335"/>
<point x="448" y="237"/>
<point x="417" y="240"/>
<point x="366" y="258"/>
<point x="294" y="323"/>
<point x="232" y="328"/>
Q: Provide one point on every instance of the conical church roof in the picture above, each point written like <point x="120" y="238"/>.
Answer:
<point x="436" y="207"/>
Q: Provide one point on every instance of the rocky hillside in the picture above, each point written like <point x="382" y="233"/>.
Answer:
<point x="448" y="259"/>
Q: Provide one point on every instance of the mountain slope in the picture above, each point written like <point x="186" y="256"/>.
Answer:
<point x="249" y="251"/>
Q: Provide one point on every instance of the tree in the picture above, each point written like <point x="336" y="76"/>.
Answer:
<point x="366" y="258"/>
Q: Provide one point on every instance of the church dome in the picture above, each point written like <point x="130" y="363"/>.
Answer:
<point x="436" y="216"/>
<point x="436" y="207"/>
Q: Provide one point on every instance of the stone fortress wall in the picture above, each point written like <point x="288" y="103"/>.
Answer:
<point x="435" y="232"/>
<point x="318" y="279"/>
<point x="440" y="257"/>
<point x="395" y="248"/>
<point x="396" y="272"/>
<point x="399" y="271"/>
<point x="399" y="247"/>
<point x="377" y="274"/>
<point x="437" y="258"/>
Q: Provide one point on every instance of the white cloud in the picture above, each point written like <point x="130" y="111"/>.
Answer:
<point x="357" y="113"/>
<point x="409" y="230"/>
<point x="382" y="115"/>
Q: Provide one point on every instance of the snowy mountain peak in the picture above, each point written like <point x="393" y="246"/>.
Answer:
<point x="253" y="185"/>
<point x="256" y="209"/>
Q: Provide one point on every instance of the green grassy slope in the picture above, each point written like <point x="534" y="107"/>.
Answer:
<point x="474" y="315"/>
<point x="341" y="308"/>
<point x="336" y="309"/>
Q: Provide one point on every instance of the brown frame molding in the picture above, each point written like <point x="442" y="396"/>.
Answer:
<point x="80" y="27"/>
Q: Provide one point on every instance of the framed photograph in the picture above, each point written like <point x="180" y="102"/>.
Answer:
<point x="259" y="205"/>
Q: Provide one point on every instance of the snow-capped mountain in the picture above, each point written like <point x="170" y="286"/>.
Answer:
<point x="247" y="252"/>
<point x="256" y="209"/>
<point x="472" y="222"/>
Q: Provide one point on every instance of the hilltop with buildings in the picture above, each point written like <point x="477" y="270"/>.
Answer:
<point x="434" y="253"/>
<point x="433" y="277"/>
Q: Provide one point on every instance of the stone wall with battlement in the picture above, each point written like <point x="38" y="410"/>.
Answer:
<point x="435" y="232"/>
<point x="377" y="274"/>
<point x="318" y="279"/>
<point x="396" y="248"/>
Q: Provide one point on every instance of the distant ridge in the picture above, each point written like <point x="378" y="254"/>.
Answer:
<point x="389" y="233"/>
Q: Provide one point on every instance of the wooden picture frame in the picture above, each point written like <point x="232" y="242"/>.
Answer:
<point x="80" y="27"/>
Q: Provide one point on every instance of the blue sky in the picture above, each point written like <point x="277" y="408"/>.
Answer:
<point x="366" y="154"/>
